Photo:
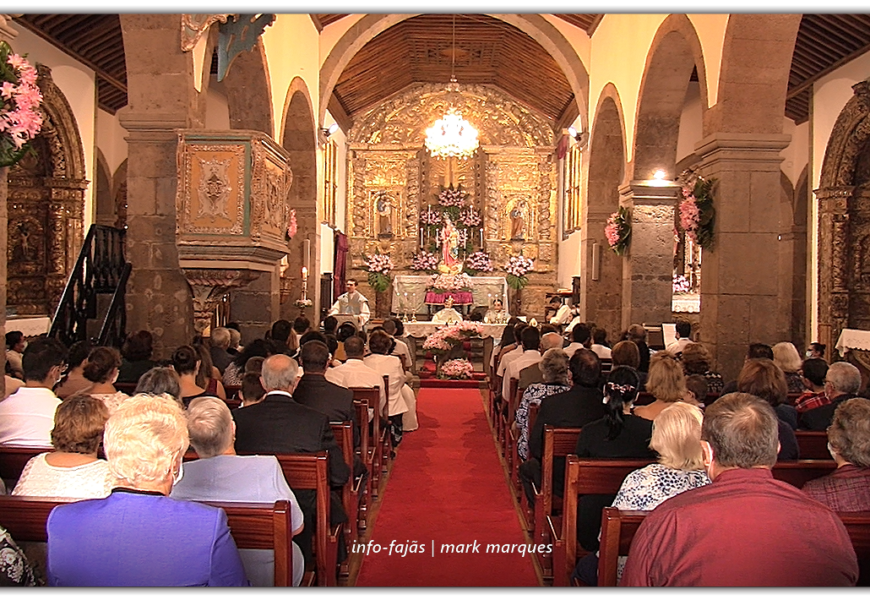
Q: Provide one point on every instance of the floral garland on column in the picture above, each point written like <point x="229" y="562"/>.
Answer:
<point x="697" y="214"/>
<point x="20" y="120"/>
<point x="516" y="268"/>
<point x="618" y="231"/>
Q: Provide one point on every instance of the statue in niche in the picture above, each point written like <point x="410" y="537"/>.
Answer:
<point x="518" y="222"/>
<point x="384" y="208"/>
<point x="450" y="262"/>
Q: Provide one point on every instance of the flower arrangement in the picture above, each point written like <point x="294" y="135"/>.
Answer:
<point x="445" y="282"/>
<point x="516" y="268"/>
<point x="292" y="227"/>
<point x="430" y="217"/>
<point x="469" y="217"/>
<point x="443" y="339"/>
<point x="618" y="231"/>
<point x="379" y="267"/>
<point x="20" y="120"/>
<point x="458" y="368"/>
<point x="303" y="303"/>
<point x="424" y="261"/>
<point x="681" y="284"/>
<point x="478" y="262"/>
<point x="451" y="196"/>
<point x="697" y="213"/>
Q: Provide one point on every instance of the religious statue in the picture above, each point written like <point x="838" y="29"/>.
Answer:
<point x="448" y="314"/>
<point x="384" y="209"/>
<point x="517" y="223"/>
<point x="449" y="235"/>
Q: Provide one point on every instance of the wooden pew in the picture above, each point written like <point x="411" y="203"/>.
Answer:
<point x="558" y="442"/>
<point x="512" y="438"/>
<point x="386" y="444"/>
<point x="350" y="491"/>
<point x="362" y="415"/>
<point x="524" y="503"/>
<point x="372" y="457"/>
<point x="506" y="417"/>
<point x="605" y="476"/>
<point x="14" y="458"/>
<point x="813" y="445"/>
<point x="253" y="525"/>
<point x="311" y="472"/>
<point x="618" y="528"/>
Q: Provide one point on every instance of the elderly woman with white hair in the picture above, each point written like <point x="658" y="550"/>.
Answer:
<point x="138" y="536"/>
<point x="221" y="475"/>
<point x="676" y="437"/>
<point x="787" y="358"/>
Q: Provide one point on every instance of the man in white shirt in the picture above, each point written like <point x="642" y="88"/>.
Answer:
<point x="401" y="350"/>
<point x="355" y="373"/>
<point x="531" y="344"/>
<point x="580" y="337"/>
<point x="352" y="303"/>
<point x="684" y="338"/>
<point x="27" y="416"/>
<point x="599" y="337"/>
<point x="563" y="312"/>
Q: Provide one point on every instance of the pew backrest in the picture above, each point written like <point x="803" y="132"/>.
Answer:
<point x="813" y="445"/>
<point x="558" y="442"/>
<point x="14" y="458"/>
<point x="259" y="525"/>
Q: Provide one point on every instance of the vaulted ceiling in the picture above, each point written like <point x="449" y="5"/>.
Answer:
<point x="487" y="51"/>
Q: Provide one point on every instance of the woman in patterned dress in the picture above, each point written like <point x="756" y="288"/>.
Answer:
<point x="554" y="370"/>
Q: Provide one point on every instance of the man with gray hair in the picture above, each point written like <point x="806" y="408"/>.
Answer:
<point x="842" y="382"/>
<point x="223" y="476"/>
<point x="532" y="373"/>
<point x="746" y="529"/>
<point x="280" y="425"/>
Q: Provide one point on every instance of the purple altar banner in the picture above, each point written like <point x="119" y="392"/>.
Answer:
<point x="459" y="298"/>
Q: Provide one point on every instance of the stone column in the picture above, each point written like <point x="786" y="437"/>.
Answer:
<point x="648" y="266"/>
<point x="600" y="298"/>
<point x="256" y="306"/>
<point x="740" y="295"/>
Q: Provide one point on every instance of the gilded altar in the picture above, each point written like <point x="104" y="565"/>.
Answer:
<point x="510" y="183"/>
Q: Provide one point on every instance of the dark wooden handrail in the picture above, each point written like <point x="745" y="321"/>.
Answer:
<point x="100" y="269"/>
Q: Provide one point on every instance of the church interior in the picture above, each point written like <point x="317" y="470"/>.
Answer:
<point x="617" y="169"/>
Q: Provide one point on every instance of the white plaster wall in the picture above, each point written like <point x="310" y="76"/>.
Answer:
<point x="327" y="233"/>
<point x="796" y="155"/>
<point x="569" y="257"/>
<point x="217" y="112"/>
<point x="830" y="95"/>
<point x="78" y="84"/>
<point x="111" y="139"/>
<point x="691" y="125"/>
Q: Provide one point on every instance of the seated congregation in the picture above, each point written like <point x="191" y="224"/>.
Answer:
<point x="124" y="458"/>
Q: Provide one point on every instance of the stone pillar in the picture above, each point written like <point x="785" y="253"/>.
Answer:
<point x="740" y="295"/>
<point x="256" y="306"/>
<point x="601" y="298"/>
<point x="648" y="266"/>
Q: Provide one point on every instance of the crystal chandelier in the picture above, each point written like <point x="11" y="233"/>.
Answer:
<point x="451" y="135"/>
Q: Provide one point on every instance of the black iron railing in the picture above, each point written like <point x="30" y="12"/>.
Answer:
<point x="100" y="269"/>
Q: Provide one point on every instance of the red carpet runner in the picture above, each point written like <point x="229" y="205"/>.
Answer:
<point x="447" y="486"/>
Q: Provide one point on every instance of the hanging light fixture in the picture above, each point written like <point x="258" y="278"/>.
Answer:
<point x="451" y="135"/>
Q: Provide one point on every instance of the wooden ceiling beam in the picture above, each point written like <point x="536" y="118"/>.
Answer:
<point x="316" y="20"/>
<point x="832" y="67"/>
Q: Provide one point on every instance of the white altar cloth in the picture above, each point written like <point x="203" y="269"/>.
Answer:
<point x="483" y="289"/>
<point x="422" y="329"/>
<point x="853" y="339"/>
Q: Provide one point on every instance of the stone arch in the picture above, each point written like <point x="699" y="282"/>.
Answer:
<point x="299" y="139"/>
<point x="104" y="205"/>
<point x="249" y="92"/>
<point x="753" y="80"/>
<point x="45" y="206"/>
<point x="843" y="228"/>
<point x="674" y="53"/>
<point x="536" y="26"/>
<point x="602" y="297"/>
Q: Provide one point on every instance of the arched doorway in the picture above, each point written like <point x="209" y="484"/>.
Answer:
<point x="601" y="275"/>
<point x="45" y="206"/>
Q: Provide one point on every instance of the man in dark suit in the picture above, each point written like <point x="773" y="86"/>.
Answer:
<point x="578" y="406"/>
<point x="280" y="425"/>
<point x="334" y="401"/>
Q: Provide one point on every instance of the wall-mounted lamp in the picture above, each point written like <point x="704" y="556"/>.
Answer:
<point x="659" y="175"/>
<point x="328" y="131"/>
<point x="572" y="131"/>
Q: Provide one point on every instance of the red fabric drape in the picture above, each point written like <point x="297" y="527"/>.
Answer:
<point x="338" y="270"/>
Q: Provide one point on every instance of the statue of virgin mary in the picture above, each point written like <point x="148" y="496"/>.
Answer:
<point x="450" y="262"/>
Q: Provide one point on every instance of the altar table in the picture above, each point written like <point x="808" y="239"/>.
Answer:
<point x="409" y="292"/>
<point x="422" y="329"/>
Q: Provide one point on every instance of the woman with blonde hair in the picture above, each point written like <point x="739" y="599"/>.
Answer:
<point x="138" y="536"/>
<point x="676" y="437"/>
<point x="666" y="382"/>
<point x="787" y="358"/>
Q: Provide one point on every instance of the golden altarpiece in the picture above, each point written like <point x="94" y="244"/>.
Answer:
<point x="513" y="172"/>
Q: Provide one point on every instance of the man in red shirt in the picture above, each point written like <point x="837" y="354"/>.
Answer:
<point x="746" y="529"/>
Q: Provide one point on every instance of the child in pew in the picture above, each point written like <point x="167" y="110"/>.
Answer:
<point x="696" y="390"/>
